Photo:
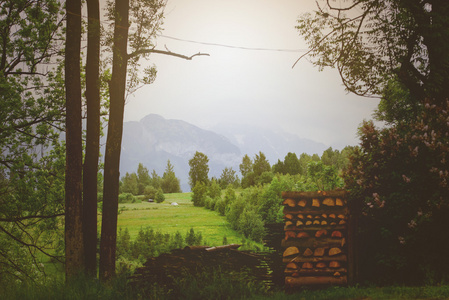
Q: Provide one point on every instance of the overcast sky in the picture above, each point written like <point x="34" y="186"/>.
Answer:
<point x="235" y="85"/>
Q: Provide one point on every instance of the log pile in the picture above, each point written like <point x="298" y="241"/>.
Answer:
<point x="316" y="235"/>
<point x="192" y="260"/>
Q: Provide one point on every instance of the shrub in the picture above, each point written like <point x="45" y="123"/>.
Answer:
<point x="126" y="198"/>
<point x="199" y="193"/>
<point x="192" y="238"/>
<point x="150" y="192"/>
<point x="235" y="210"/>
<point x="399" y="191"/>
<point x="220" y="206"/>
<point x="214" y="190"/>
<point x="251" y="225"/>
<point x="159" y="196"/>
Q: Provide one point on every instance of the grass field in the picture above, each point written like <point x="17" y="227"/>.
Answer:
<point x="168" y="218"/>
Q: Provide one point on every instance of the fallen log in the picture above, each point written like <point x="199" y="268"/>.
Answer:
<point x="219" y="248"/>
<point x="315" y="280"/>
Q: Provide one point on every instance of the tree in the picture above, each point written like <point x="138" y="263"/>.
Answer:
<point x="228" y="177"/>
<point x="155" y="180"/>
<point x="371" y="42"/>
<point x="143" y="178"/>
<point x="147" y="17"/>
<point x="74" y="249"/>
<point x="170" y="183"/>
<point x="261" y="164"/>
<point x="199" y="169"/>
<point x="291" y="164"/>
<point x="304" y="160"/>
<point x="113" y="142"/>
<point x="279" y="167"/>
<point x="159" y="197"/>
<point x="199" y="193"/>
<point x="322" y="176"/>
<point x="399" y="178"/>
<point x="214" y="190"/>
<point x="32" y="158"/>
<point x="90" y="166"/>
<point x="246" y="166"/>
<point x="396" y="105"/>
<point x="129" y="184"/>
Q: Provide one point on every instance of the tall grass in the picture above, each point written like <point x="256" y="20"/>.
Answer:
<point x="210" y="284"/>
<point x="168" y="218"/>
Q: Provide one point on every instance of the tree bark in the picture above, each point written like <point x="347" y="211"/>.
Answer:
<point x="90" y="168"/>
<point x="73" y="189"/>
<point x="113" y="143"/>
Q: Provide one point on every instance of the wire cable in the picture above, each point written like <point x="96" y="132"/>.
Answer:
<point x="233" y="47"/>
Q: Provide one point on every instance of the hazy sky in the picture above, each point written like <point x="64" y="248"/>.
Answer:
<point x="247" y="86"/>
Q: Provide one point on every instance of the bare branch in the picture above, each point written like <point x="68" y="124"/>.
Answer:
<point x="344" y="8"/>
<point x="324" y="38"/>
<point x="146" y="51"/>
<point x="17" y="219"/>
<point x="28" y="245"/>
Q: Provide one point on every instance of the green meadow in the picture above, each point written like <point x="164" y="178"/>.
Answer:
<point x="168" y="218"/>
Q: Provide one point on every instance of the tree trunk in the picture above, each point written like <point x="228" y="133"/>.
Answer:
<point x="73" y="193"/>
<point x="438" y="46"/>
<point x="90" y="168"/>
<point x="113" y="143"/>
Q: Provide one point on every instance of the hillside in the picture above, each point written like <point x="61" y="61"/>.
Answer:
<point x="153" y="140"/>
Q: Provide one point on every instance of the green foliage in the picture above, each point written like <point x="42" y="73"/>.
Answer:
<point x="155" y="180"/>
<point x="249" y="180"/>
<point x="260" y="164"/>
<point x="257" y="172"/>
<point x="270" y="205"/>
<point x="370" y="30"/>
<point x="159" y="198"/>
<point x="32" y="118"/>
<point x="192" y="238"/>
<point x="246" y="166"/>
<point x="228" y="178"/>
<point x="126" y="198"/>
<point x="290" y="165"/>
<point x="129" y="184"/>
<point x="265" y="178"/>
<point x="199" y="194"/>
<point x="141" y="183"/>
<point x="251" y="224"/>
<point x="143" y="179"/>
<point x="336" y="159"/>
<point x="150" y="192"/>
<point x="199" y="169"/>
<point x="220" y="206"/>
<point x="398" y="180"/>
<point x="210" y="283"/>
<point x="397" y="104"/>
<point x="323" y="177"/>
<point x="170" y="183"/>
<point x="150" y="243"/>
<point x="214" y="189"/>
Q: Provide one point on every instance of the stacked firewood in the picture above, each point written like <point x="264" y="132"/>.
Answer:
<point x="316" y="235"/>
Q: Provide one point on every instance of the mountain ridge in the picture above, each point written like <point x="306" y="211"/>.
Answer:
<point x="153" y="140"/>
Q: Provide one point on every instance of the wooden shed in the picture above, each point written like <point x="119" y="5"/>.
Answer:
<point x="317" y="246"/>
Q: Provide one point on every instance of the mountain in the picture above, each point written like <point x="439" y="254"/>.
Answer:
<point x="274" y="143"/>
<point x="153" y="140"/>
